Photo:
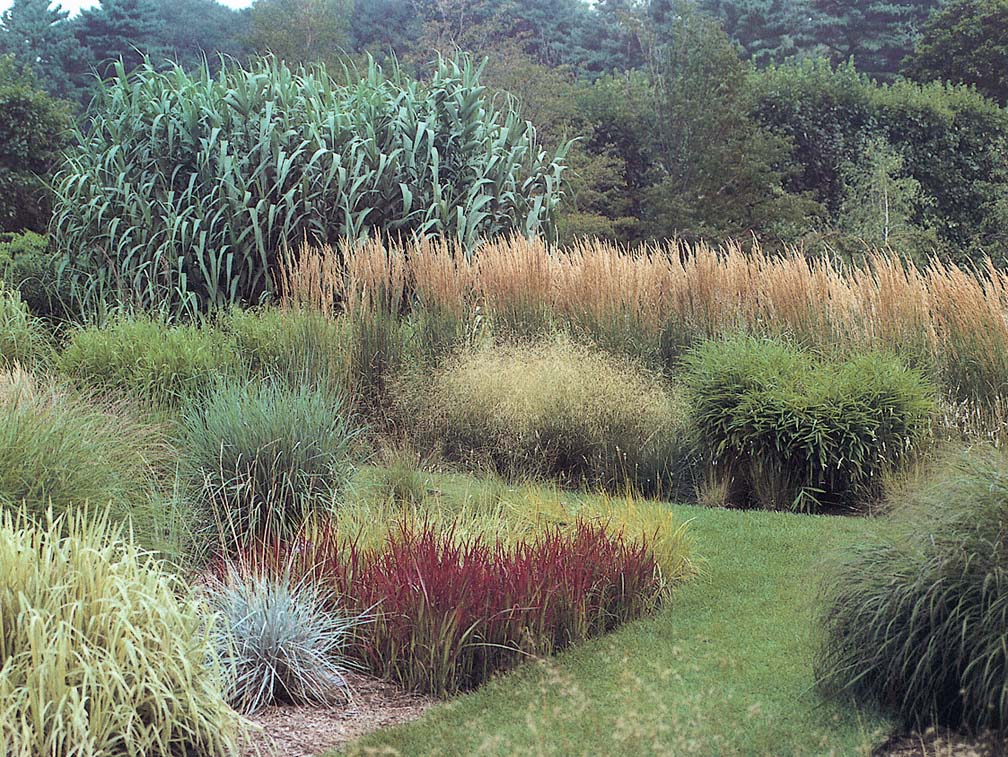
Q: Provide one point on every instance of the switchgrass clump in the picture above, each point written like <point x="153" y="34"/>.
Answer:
<point x="148" y="358"/>
<point x="22" y="336"/>
<point x="917" y="623"/>
<point x="259" y="455"/>
<point x="788" y="431"/>
<point x="555" y="409"/>
<point x="59" y="449"/>
<point x="102" y="653"/>
<point x="298" y="345"/>
<point x="278" y="640"/>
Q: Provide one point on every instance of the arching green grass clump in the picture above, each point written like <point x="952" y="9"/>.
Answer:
<point x="917" y="623"/>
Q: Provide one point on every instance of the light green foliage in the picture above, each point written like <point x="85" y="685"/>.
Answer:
<point x="297" y="345"/>
<point x="265" y="455"/>
<point x="33" y="130"/>
<point x="99" y="655"/>
<point x="881" y="203"/>
<point x="278" y="641"/>
<point x="148" y="358"/>
<point x="555" y="409"/>
<point x="185" y="188"/>
<point x="917" y="623"/>
<point x="22" y="337"/>
<point x="59" y="450"/>
<point x="301" y="31"/>
<point x="787" y="431"/>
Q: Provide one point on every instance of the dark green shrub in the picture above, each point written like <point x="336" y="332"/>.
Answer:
<point x="27" y="265"/>
<point x="260" y="455"/>
<point x="33" y="130"/>
<point x="184" y="188"/>
<point x="60" y="450"/>
<point x="791" y="432"/>
<point x="916" y="623"/>
<point x="952" y="142"/>
<point x="554" y="409"/>
<point x="22" y="337"/>
<point x="150" y="359"/>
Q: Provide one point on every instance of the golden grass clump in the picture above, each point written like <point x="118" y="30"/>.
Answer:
<point x="98" y="654"/>
<point x="949" y="319"/>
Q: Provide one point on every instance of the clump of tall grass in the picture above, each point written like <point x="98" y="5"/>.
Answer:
<point x="59" y="449"/>
<point x="789" y="431"/>
<point x="259" y="455"/>
<point x="916" y="622"/>
<point x="278" y="640"/>
<point x="149" y="359"/>
<point x="554" y="409"/>
<point x="102" y="651"/>
<point x="22" y="336"/>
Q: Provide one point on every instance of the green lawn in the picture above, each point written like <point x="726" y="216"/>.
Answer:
<point x="725" y="669"/>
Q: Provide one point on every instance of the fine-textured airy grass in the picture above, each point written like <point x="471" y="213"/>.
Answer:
<point x="22" y="336"/>
<point x="555" y="409"/>
<point x="726" y="668"/>
<point x="918" y="623"/>
<point x="101" y="651"/>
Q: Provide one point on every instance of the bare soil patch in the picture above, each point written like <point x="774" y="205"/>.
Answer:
<point x="940" y="743"/>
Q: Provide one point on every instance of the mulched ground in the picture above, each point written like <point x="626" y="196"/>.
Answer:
<point x="294" y="731"/>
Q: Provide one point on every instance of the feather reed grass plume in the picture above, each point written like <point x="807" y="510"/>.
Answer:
<point x="948" y="319"/>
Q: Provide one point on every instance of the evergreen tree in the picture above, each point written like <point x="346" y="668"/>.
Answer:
<point x="126" y="29"/>
<point x="194" y="29"/>
<point x="877" y="34"/>
<point x="42" y="38"/>
<point x="768" y="30"/>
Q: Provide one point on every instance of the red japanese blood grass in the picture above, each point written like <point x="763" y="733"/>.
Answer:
<point x="451" y="612"/>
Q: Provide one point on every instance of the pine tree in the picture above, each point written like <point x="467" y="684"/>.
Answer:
<point x="42" y="38"/>
<point x="768" y="30"/>
<point x="126" y="29"/>
<point x="877" y="34"/>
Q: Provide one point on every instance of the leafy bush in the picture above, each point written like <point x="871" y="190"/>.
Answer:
<point x="258" y="456"/>
<point x="27" y="265"/>
<point x="148" y="358"/>
<point x="33" y="130"/>
<point x="452" y="612"/>
<point x="952" y="140"/>
<point x="791" y="432"/>
<point x="22" y="338"/>
<point x="99" y="654"/>
<point x="916" y="622"/>
<point x="278" y="642"/>
<point x="554" y="409"/>
<point x="58" y="450"/>
<point x="185" y="187"/>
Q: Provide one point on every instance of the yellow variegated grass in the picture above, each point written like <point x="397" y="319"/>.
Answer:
<point x="98" y="653"/>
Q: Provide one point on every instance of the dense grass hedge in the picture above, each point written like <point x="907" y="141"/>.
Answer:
<point x="788" y="431"/>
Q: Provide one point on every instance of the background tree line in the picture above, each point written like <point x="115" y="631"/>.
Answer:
<point x="818" y="122"/>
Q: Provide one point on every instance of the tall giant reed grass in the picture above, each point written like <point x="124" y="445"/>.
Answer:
<point x="655" y="300"/>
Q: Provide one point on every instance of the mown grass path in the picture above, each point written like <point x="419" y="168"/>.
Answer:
<point x="725" y="669"/>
